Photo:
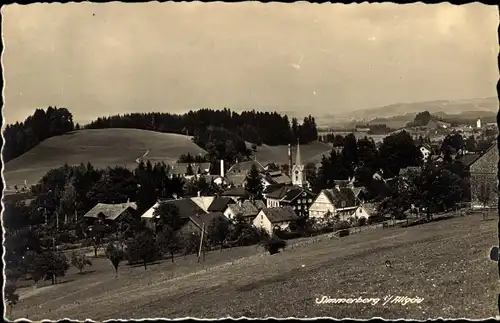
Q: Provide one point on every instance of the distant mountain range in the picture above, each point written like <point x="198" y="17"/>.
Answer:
<point x="397" y="115"/>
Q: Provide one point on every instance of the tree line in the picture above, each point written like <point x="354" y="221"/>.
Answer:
<point x="43" y="124"/>
<point x="256" y="127"/>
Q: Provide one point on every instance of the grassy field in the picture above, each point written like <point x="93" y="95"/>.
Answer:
<point x="279" y="154"/>
<point x="102" y="147"/>
<point x="445" y="263"/>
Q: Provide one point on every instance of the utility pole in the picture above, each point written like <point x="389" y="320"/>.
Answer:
<point x="201" y="241"/>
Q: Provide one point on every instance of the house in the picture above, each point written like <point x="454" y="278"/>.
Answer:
<point x="220" y="204"/>
<point x="182" y="169"/>
<point x="186" y="206"/>
<point x="426" y="151"/>
<point x="110" y="212"/>
<point x="366" y="210"/>
<point x="247" y="209"/>
<point x="236" y="180"/>
<point x="270" y="219"/>
<point x="333" y="202"/>
<point x="194" y="224"/>
<point x="484" y="178"/>
<point x="288" y="195"/>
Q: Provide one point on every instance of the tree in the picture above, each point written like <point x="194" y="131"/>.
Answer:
<point x="189" y="170"/>
<point x="350" y="153"/>
<point x="167" y="214"/>
<point x="68" y="202"/>
<point x="96" y="236"/>
<point x="79" y="260"/>
<point x="398" y="151"/>
<point x="218" y="231"/>
<point x="311" y="173"/>
<point x="253" y="183"/>
<point x="169" y="241"/>
<point x="115" y="255"/>
<point x="11" y="297"/>
<point x="243" y="233"/>
<point x="142" y="247"/>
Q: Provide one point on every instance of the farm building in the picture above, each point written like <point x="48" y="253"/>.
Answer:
<point x="484" y="178"/>
<point x="288" y="195"/>
<point x="110" y="212"/>
<point x="195" y="223"/>
<point x="334" y="202"/>
<point x="242" y="168"/>
<point x="237" y="193"/>
<point x="247" y="209"/>
<point x="270" y="219"/>
<point x="186" y="208"/>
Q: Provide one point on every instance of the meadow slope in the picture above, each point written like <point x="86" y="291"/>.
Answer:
<point x="445" y="263"/>
<point x="101" y="147"/>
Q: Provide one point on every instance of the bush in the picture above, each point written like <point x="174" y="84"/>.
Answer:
<point x="341" y="225"/>
<point x="274" y="245"/>
<point x="79" y="260"/>
<point x="362" y="221"/>
<point x="343" y="233"/>
<point x="288" y="235"/>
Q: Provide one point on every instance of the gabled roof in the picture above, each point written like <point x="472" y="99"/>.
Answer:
<point x="271" y="188"/>
<point x="247" y="208"/>
<point x="236" y="191"/>
<point x="288" y="193"/>
<point x="341" y="198"/>
<point x="245" y="166"/>
<point x="110" y="211"/>
<point x="358" y="190"/>
<point x="203" y="202"/>
<point x="280" y="178"/>
<point x="236" y="179"/>
<point x="219" y="204"/>
<point x="280" y="214"/>
<point x="186" y="208"/>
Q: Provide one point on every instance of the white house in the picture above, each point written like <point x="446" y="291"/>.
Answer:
<point x="365" y="210"/>
<point x="333" y="202"/>
<point x="270" y="219"/>
<point x="426" y="152"/>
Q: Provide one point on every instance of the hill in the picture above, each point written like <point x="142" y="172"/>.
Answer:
<point x="101" y="147"/>
<point x="445" y="263"/>
<point x="311" y="152"/>
<point x="449" y="107"/>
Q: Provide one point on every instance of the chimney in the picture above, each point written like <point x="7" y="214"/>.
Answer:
<point x="199" y="193"/>
<point x="222" y="168"/>
<point x="337" y="187"/>
<point x="290" y="165"/>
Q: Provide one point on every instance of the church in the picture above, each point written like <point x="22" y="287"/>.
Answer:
<point x="297" y="195"/>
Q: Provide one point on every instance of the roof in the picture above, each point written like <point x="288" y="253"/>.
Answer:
<point x="359" y="190"/>
<point x="186" y="208"/>
<point x="280" y="178"/>
<point x="408" y="170"/>
<point x="287" y="193"/>
<point x="468" y="159"/>
<point x="340" y="198"/>
<point x="181" y="168"/>
<point x="206" y="219"/>
<point x="280" y="214"/>
<point x="273" y="187"/>
<point x="245" y="166"/>
<point x="236" y="179"/>
<point x="110" y="211"/>
<point x="371" y="208"/>
<point x="219" y="204"/>
<point x="203" y="202"/>
<point x="236" y="191"/>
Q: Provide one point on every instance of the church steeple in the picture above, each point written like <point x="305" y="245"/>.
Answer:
<point x="298" y="160"/>
<point x="298" y="169"/>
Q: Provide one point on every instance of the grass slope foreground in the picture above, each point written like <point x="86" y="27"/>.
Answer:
<point x="101" y="147"/>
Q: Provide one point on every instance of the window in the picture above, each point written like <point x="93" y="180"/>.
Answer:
<point x="309" y="200"/>
<point x="304" y="201"/>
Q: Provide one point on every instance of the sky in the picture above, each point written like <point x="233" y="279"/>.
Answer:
<point x="114" y="58"/>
